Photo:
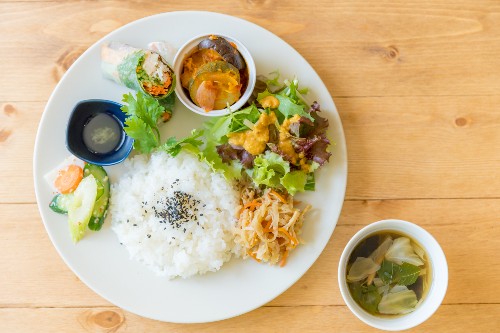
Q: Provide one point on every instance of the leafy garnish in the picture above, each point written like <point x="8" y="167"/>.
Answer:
<point x="274" y="81"/>
<point x="271" y="170"/>
<point x="127" y="70"/>
<point x="268" y="169"/>
<point x="367" y="296"/>
<point x="190" y="143"/>
<point x="210" y="156"/>
<point x="141" y="124"/>
<point x="409" y="274"/>
<point x="310" y="137"/>
<point x="287" y="107"/>
<point x="218" y="128"/>
<point x="389" y="272"/>
<point x="294" y="181"/>
<point x="310" y="182"/>
<point x="405" y="274"/>
<point x="168" y="102"/>
<point x="228" y="153"/>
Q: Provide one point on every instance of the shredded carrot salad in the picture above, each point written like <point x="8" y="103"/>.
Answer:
<point x="268" y="226"/>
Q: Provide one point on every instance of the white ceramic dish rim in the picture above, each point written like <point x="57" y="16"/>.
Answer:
<point x="294" y="270"/>
<point x="186" y="49"/>
<point x="439" y="277"/>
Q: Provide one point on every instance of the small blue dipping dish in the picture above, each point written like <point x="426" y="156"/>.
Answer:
<point x="95" y="132"/>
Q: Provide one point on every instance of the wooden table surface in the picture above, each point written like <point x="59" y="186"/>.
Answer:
<point x="417" y="86"/>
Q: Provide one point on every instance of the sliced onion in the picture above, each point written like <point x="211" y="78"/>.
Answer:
<point x="419" y="251"/>
<point x="248" y="123"/>
<point x="398" y="288"/>
<point x="378" y="282"/>
<point x="380" y="252"/>
<point x="384" y="289"/>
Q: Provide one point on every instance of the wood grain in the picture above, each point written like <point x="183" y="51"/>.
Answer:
<point x="311" y="319"/>
<point x="422" y="147"/>
<point x="18" y="126"/>
<point x="390" y="49"/>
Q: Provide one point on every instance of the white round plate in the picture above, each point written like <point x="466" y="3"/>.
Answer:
<point x="103" y="264"/>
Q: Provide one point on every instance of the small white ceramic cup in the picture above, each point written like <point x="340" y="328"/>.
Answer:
<point x="187" y="49"/>
<point x="439" y="278"/>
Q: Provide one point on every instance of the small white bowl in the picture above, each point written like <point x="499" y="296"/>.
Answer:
<point x="439" y="278"/>
<point x="187" y="49"/>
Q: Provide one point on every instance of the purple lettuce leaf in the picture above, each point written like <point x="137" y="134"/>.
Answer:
<point x="310" y="138"/>
<point x="229" y="153"/>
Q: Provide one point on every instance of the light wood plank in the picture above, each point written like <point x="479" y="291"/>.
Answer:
<point x="422" y="147"/>
<point x="389" y="49"/>
<point x="464" y="228"/>
<point x="406" y="147"/>
<point x="18" y="127"/>
<point x="463" y="318"/>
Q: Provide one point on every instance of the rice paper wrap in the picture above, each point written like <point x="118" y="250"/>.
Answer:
<point x="120" y="63"/>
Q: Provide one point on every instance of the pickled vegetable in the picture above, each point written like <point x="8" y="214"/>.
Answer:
<point x="224" y="84"/>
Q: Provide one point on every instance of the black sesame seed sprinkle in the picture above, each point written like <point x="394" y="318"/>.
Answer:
<point x="177" y="209"/>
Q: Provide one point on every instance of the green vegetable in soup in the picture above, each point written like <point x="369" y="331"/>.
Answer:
<point x="398" y="301"/>
<point x="402" y="251"/>
<point x="367" y="297"/>
<point x="398" y="285"/>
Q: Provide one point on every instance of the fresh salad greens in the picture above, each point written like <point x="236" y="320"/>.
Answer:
<point x="278" y="141"/>
<point x="295" y="138"/>
<point x="291" y="101"/>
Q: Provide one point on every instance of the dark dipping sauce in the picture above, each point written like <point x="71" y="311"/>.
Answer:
<point x="102" y="133"/>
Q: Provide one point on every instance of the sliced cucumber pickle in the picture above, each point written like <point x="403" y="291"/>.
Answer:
<point x="100" y="189"/>
<point x="60" y="203"/>
<point x="80" y="208"/>
<point x="102" y="201"/>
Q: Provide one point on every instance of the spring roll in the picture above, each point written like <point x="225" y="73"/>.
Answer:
<point x="140" y="70"/>
<point x="165" y="49"/>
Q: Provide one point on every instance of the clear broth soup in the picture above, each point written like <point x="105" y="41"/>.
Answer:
<point x="388" y="274"/>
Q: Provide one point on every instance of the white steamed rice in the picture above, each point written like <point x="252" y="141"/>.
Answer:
<point x="169" y="246"/>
